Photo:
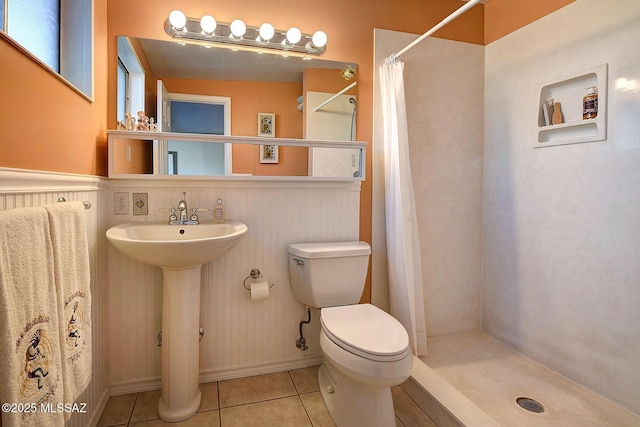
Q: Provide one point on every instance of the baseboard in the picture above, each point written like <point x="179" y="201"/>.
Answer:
<point x="95" y="417"/>
<point x="249" y="371"/>
<point x="207" y="376"/>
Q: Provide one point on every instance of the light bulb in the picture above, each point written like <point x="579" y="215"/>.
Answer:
<point x="319" y="39"/>
<point x="238" y="28"/>
<point x="177" y="19"/>
<point x="293" y="35"/>
<point x="266" y="32"/>
<point x="208" y="24"/>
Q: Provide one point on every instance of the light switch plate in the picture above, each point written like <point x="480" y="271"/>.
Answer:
<point x="120" y="203"/>
<point x="140" y="204"/>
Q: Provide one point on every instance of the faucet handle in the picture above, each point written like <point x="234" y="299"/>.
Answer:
<point x="194" y="213"/>
<point x="172" y="216"/>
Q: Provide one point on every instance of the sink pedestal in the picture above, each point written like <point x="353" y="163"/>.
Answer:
<point x="180" y="363"/>
<point x="180" y="251"/>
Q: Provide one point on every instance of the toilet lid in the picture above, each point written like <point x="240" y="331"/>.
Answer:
<point x="365" y="330"/>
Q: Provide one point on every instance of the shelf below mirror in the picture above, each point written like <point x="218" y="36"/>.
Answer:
<point x="148" y="154"/>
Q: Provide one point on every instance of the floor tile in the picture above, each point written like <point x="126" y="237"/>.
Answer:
<point x="118" y="410"/>
<point x="284" y="399"/>
<point x="201" y="419"/>
<point x="316" y="410"/>
<point x="306" y="379"/>
<point x="255" y="389"/>
<point x="146" y="406"/>
<point x="407" y="411"/>
<point x="279" y="412"/>
<point x="209" y="396"/>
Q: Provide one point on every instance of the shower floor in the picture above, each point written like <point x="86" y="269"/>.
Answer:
<point x="492" y="376"/>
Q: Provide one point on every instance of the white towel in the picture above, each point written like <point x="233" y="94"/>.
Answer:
<point x="31" y="372"/>
<point x="72" y="277"/>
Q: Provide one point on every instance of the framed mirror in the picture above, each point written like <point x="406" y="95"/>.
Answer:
<point x="255" y="83"/>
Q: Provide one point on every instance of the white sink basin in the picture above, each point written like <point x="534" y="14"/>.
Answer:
<point x="175" y="246"/>
<point x="180" y="250"/>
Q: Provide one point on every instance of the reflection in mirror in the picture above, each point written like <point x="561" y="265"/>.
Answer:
<point x="289" y="87"/>
<point x="199" y="155"/>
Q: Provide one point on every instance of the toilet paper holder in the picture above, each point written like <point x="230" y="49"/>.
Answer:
<point x="254" y="274"/>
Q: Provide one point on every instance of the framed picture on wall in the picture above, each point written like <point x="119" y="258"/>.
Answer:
<point x="267" y="125"/>
<point x="268" y="154"/>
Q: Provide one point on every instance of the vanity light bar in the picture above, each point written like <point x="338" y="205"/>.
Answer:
<point x="237" y="33"/>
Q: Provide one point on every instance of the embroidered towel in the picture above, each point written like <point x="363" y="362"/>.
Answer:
<point x="72" y="277"/>
<point x="31" y="372"/>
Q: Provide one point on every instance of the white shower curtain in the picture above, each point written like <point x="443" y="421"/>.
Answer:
<point x="403" y="247"/>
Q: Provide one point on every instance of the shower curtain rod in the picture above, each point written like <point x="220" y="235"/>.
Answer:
<point x="335" y="96"/>
<point x="442" y="23"/>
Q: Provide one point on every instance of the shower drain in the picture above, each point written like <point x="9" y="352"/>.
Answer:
<point x="530" y="404"/>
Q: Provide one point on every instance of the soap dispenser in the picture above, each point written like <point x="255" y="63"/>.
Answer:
<point x="218" y="213"/>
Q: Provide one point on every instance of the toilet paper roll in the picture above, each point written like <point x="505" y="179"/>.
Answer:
<point x="259" y="291"/>
<point x="300" y="107"/>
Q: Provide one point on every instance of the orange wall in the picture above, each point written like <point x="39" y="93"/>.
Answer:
<point x="141" y="156"/>
<point x="45" y="125"/>
<point x="502" y="17"/>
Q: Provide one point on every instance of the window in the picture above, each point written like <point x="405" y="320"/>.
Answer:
<point x="43" y="39"/>
<point x="130" y="80"/>
<point x="123" y="89"/>
<point x="56" y="33"/>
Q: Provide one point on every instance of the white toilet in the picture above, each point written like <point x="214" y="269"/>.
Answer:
<point x="365" y="351"/>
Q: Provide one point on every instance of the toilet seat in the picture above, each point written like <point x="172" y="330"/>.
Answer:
<point x="366" y="331"/>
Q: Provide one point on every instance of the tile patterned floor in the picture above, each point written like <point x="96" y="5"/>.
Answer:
<point x="282" y="399"/>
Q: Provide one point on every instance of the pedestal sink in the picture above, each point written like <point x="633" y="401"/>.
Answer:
<point x="180" y="250"/>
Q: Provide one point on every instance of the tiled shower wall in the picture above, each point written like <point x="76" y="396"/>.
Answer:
<point x="26" y="189"/>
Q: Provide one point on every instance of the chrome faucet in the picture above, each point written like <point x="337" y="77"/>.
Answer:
<point x="182" y="210"/>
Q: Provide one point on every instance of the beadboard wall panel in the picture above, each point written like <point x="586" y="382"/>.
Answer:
<point x="20" y="188"/>
<point x="241" y="337"/>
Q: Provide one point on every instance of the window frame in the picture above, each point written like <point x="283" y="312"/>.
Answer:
<point x="76" y="46"/>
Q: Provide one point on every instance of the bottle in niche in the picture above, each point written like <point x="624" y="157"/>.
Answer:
<point x="557" y="117"/>
<point x="218" y="213"/>
<point x="590" y="104"/>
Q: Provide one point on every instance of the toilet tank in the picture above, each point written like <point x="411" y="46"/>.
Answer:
<point x="328" y="274"/>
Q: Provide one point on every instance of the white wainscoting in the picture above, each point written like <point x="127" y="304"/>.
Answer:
<point x="241" y="338"/>
<point x="20" y="188"/>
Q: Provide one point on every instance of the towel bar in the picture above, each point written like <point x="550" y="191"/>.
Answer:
<point x="87" y="205"/>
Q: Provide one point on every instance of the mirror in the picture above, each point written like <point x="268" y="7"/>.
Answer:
<point x="136" y="153"/>
<point x="256" y="84"/>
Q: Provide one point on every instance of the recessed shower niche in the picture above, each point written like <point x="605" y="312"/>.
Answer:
<point x="569" y="92"/>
